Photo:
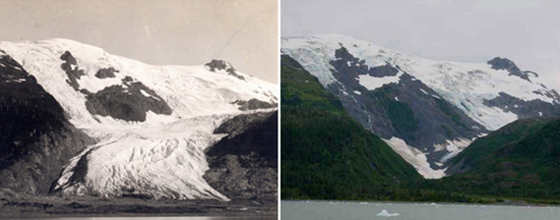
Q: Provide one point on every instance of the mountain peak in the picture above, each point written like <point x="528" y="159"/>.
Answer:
<point x="221" y="65"/>
<point x="460" y="101"/>
<point x="499" y="63"/>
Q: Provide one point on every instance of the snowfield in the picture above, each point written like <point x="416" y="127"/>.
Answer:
<point x="162" y="157"/>
<point x="467" y="83"/>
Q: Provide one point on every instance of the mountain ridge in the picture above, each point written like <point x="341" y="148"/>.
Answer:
<point x="427" y="110"/>
<point x="139" y="150"/>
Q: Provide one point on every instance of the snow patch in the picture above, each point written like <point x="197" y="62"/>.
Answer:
<point x="357" y="92"/>
<point x="148" y="95"/>
<point x="372" y="83"/>
<point x="415" y="157"/>
<point x="453" y="145"/>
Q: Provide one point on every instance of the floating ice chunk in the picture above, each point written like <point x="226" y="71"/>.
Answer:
<point x="384" y="213"/>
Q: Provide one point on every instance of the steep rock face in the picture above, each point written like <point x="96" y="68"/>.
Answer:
<point x="427" y="111"/>
<point x="244" y="164"/>
<point x="36" y="139"/>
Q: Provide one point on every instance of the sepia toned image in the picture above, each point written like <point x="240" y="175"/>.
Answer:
<point x="420" y="109"/>
<point x="137" y="109"/>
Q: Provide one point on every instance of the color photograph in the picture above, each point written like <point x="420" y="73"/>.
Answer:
<point x="420" y="109"/>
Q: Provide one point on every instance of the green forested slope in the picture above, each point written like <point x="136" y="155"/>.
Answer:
<point x="325" y="153"/>
<point x="328" y="155"/>
<point x="520" y="160"/>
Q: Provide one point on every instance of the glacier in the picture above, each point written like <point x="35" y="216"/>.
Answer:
<point x="161" y="157"/>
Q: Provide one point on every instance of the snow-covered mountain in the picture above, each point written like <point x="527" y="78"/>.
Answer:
<point x="151" y="124"/>
<point x="426" y="110"/>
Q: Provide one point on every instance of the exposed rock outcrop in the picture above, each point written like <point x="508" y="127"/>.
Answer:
<point x="36" y="139"/>
<point x="499" y="63"/>
<point x="253" y="104"/>
<point x="106" y="73"/>
<point x="243" y="165"/>
<point x="217" y="65"/>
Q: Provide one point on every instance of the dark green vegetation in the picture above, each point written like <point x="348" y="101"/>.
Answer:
<point x="447" y="109"/>
<point x="328" y="155"/>
<point x="521" y="160"/>
<point x="325" y="153"/>
<point x="399" y="113"/>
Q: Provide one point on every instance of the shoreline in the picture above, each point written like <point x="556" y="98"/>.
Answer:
<point x="87" y="206"/>
<point x="512" y="204"/>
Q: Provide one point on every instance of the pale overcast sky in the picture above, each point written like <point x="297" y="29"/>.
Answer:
<point x="527" y="32"/>
<point x="159" y="32"/>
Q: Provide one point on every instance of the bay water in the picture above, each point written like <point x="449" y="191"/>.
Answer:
<point x="323" y="210"/>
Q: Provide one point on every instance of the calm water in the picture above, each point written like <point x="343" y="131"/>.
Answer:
<point x="355" y="210"/>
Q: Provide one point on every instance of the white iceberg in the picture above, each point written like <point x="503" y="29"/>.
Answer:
<point x="384" y="213"/>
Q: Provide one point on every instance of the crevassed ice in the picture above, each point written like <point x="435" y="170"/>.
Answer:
<point x="161" y="157"/>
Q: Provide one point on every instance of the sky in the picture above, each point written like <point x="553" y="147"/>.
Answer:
<point x="526" y="32"/>
<point x="162" y="32"/>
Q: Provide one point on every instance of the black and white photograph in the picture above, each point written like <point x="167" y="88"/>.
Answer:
<point x="136" y="109"/>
